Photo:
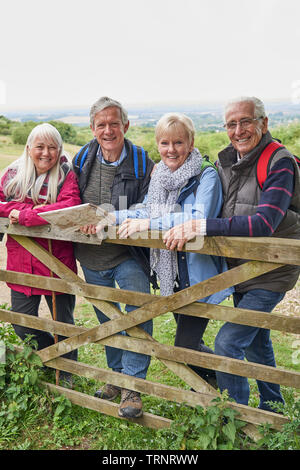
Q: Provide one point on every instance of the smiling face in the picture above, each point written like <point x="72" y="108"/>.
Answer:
<point x="44" y="153"/>
<point x="245" y="139"/>
<point x="109" y="131"/>
<point x="174" y="147"/>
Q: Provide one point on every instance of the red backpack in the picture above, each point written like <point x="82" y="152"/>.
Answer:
<point x="264" y="161"/>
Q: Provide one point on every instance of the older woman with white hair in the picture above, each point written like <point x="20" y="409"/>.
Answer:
<point x="40" y="180"/>
<point x="183" y="186"/>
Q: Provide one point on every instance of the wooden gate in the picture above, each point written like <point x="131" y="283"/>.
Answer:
<point x="264" y="255"/>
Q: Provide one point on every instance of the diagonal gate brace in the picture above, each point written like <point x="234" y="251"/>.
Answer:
<point x="159" y="307"/>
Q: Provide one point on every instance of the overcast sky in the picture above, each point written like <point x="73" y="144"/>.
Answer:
<point x="69" y="53"/>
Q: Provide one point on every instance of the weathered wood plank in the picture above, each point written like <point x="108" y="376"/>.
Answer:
<point x="280" y="250"/>
<point x="39" y="323"/>
<point x="271" y="249"/>
<point x="166" y="392"/>
<point x="253" y="416"/>
<point x="111" y="409"/>
<point x="108" y="408"/>
<point x="163" y="391"/>
<point x="160" y="306"/>
<point x="79" y="288"/>
<point x="210" y="361"/>
<point x="272" y="321"/>
<point x="162" y="351"/>
<point x="165" y="352"/>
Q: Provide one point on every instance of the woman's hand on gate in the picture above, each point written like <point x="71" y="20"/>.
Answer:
<point x="14" y="216"/>
<point x="131" y="226"/>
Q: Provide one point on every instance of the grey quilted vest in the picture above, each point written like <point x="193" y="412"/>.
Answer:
<point x="241" y="197"/>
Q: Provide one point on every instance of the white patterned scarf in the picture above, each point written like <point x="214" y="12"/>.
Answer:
<point x="163" y="192"/>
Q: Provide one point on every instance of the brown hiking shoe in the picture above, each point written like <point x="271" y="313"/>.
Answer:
<point x="108" y="392"/>
<point x="131" y="404"/>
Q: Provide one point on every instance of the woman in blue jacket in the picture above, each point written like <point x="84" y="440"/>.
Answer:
<point x="182" y="187"/>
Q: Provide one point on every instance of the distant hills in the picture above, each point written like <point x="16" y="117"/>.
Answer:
<point x="205" y="117"/>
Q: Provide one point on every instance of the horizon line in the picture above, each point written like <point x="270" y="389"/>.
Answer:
<point x="149" y="105"/>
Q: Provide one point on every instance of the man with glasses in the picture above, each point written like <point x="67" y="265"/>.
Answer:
<point x="249" y="210"/>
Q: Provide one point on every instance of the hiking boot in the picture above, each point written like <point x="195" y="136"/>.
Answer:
<point x="108" y="392"/>
<point x="131" y="404"/>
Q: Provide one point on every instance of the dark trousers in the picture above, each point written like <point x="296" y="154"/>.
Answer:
<point x="189" y="333"/>
<point x="65" y="304"/>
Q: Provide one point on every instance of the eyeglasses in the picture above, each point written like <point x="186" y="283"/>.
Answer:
<point x="244" y="123"/>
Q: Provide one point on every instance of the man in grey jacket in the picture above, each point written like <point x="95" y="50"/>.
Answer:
<point x="111" y="169"/>
<point x="250" y="210"/>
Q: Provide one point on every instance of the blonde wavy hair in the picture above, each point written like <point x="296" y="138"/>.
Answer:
<point x="22" y="178"/>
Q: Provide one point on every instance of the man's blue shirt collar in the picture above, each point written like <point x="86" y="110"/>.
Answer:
<point x="116" y="163"/>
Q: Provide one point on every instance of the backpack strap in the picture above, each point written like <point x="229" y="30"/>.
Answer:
<point x="264" y="161"/>
<point x="206" y="163"/>
<point x="139" y="161"/>
<point x="80" y="157"/>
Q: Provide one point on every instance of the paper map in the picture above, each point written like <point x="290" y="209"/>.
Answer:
<point x="74" y="217"/>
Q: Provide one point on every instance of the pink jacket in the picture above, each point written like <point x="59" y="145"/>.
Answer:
<point x="19" y="259"/>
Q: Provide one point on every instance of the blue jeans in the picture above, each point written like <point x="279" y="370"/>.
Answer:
<point x="240" y="341"/>
<point x="130" y="276"/>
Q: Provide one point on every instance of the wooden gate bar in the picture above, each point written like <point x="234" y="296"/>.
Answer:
<point x="272" y="321"/>
<point x="166" y="392"/>
<point x="167" y="352"/>
<point x="160" y="306"/>
<point x="253" y="416"/>
<point x="281" y="250"/>
<point x="276" y="250"/>
<point x="109" y="408"/>
<point x="210" y="361"/>
<point x="77" y="286"/>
